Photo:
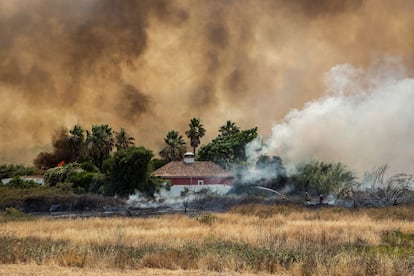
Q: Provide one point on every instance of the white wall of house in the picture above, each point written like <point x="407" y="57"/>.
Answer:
<point x="176" y="190"/>
<point x="37" y="180"/>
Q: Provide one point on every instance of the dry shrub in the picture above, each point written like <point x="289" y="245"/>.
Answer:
<point x="72" y="257"/>
<point x="184" y="257"/>
<point x="383" y="190"/>
<point x="211" y="262"/>
<point x="165" y="260"/>
<point x="220" y="263"/>
<point x="400" y="212"/>
<point x="265" y="211"/>
<point x="206" y="218"/>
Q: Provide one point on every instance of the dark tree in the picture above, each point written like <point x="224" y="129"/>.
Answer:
<point x="175" y="147"/>
<point x="123" y="140"/>
<point x="130" y="170"/>
<point x="230" y="128"/>
<point x="76" y="140"/>
<point x="228" y="150"/>
<point x="195" y="133"/>
<point x="99" y="143"/>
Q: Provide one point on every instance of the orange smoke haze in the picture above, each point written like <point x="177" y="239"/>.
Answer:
<point x="152" y="65"/>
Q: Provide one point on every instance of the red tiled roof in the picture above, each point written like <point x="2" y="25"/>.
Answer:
<point x="198" y="168"/>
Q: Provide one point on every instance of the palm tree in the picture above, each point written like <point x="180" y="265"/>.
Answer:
<point x="175" y="148"/>
<point x="195" y="133"/>
<point x="122" y="140"/>
<point x="230" y="128"/>
<point x="99" y="143"/>
<point x="76" y="140"/>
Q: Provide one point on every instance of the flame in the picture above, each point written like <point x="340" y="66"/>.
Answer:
<point x="61" y="163"/>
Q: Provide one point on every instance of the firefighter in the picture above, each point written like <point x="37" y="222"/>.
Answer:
<point x="307" y="198"/>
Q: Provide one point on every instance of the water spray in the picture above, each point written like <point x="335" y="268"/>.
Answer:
<point x="268" y="189"/>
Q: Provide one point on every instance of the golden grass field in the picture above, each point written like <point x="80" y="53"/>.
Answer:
<point x="250" y="239"/>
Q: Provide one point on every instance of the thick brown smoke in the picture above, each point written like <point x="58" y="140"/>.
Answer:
<point x="152" y="65"/>
<point x="62" y="151"/>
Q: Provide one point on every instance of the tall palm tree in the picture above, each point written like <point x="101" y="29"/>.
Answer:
<point x="175" y="148"/>
<point x="229" y="129"/>
<point x="195" y="133"/>
<point x="123" y="140"/>
<point x="99" y="143"/>
<point x="76" y="140"/>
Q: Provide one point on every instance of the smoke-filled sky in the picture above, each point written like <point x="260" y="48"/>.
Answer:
<point x="152" y="65"/>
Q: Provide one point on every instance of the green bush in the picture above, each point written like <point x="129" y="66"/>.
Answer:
<point x="108" y="165"/>
<point x="89" y="167"/>
<point x="98" y="183"/>
<point x="158" y="163"/>
<point x="80" y="179"/>
<point x="11" y="170"/>
<point x="20" y="183"/>
<point x="60" y="174"/>
<point x="64" y="187"/>
<point x="159" y="183"/>
<point x="84" y="181"/>
<point x="325" y="177"/>
<point x="131" y="170"/>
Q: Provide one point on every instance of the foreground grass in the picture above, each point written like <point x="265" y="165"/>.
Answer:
<point x="53" y="270"/>
<point x="287" y="240"/>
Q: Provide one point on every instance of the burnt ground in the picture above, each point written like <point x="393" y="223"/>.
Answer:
<point x="194" y="207"/>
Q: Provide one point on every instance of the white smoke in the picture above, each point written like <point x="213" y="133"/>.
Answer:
<point x="365" y="119"/>
<point x="250" y="173"/>
<point x="176" y="197"/>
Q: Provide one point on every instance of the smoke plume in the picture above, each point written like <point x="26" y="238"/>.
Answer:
<point x="366" y="119"/>
<point x="62" y="151"/>
<point x="152" y="65"/>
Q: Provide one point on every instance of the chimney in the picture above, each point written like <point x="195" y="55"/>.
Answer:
<point x="188" y="157"/>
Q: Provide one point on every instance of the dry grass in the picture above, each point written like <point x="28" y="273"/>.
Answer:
<point x="33" y="269"/>
<point x="248" y="239"/>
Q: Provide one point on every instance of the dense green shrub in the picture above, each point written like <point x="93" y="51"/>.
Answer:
<point x="84" y="181"/>
<point x="80" y="180"/>
<point x="89" y="167"/>
<point x="11" y="170"/>
<point x="131" y="170"/>
<point x="18" y="182"/>
<point x="60" y="174"/>
<point x="158" y="163"/>
<point x="325" y="177"/>
<point x="98" y="183"/>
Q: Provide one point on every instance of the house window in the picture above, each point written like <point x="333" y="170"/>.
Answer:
<point x="200" y="182"/>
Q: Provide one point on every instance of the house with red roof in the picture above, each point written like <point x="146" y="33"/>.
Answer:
<point x="191" y="173"/>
